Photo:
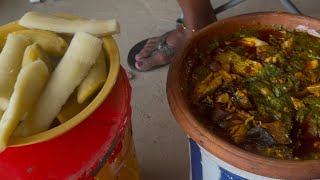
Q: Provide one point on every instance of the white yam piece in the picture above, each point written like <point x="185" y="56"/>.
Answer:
<point x="72" y="69"/>
<point x="1" y="113"/>
<point x="36" y="20"/>
<point x="30" y="82"/>
<point x="94" y="81"/>
<point x="10" y="65"/>
<point x="35" y="52"/>
<point x="50" y="42"/>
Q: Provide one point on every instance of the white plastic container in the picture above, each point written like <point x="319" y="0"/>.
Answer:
<point x="205" y="166"/>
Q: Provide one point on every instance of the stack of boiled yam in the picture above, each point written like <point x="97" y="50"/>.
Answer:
<point x="49" y="62"/>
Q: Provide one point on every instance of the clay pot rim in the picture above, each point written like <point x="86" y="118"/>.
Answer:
<point x="211" y="142"/>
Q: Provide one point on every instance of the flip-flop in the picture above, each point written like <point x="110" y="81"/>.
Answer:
<point x="163" y="47"/>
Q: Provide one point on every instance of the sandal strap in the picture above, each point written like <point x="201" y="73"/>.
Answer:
<point x="164" y="47"/>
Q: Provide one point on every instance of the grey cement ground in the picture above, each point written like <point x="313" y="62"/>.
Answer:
<point x="161" y="145"/>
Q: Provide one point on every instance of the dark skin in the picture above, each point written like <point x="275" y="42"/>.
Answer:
<point x="197" y="14"/>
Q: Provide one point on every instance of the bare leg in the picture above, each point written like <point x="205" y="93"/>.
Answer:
<point x="197" y="14"/>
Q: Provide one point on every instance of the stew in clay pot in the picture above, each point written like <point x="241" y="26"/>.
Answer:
<point x="260" y="89"/>
<point x="246" y="89"/>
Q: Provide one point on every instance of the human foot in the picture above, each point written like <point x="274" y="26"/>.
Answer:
<point x="157" y="51"/>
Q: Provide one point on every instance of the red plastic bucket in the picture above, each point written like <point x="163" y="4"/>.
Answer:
<point x="100" y="147"/>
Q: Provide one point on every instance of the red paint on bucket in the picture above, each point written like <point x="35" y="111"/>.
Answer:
<point x="75" y="154"/>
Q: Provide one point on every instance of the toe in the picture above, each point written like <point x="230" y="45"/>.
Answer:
<point x="144" y="53"/>
<point x="150" y="46"/>
<point x="155" y="60"/>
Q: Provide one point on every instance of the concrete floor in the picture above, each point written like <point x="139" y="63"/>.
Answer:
<point x="161" y="145"/>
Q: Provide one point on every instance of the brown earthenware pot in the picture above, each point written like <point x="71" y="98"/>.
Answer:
<point x="177" y="91"/>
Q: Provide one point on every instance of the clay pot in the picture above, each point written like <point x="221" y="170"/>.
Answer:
<point x="177" y="96"/>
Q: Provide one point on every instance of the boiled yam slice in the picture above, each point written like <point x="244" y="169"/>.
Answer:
<point x="33" y="53"/>
<point x="10" y="65"/>
<point x="30" y="82"/>
<point x="52" y="43"/>
<point x="36" y="20"/>
<point x="72" y="69"/>
<point x="94" y="80"/>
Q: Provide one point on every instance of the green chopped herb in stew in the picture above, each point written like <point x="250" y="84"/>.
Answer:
<point x="260" y="90"/>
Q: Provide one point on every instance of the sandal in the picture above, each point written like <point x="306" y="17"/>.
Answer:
<point x="163" y="47"/>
